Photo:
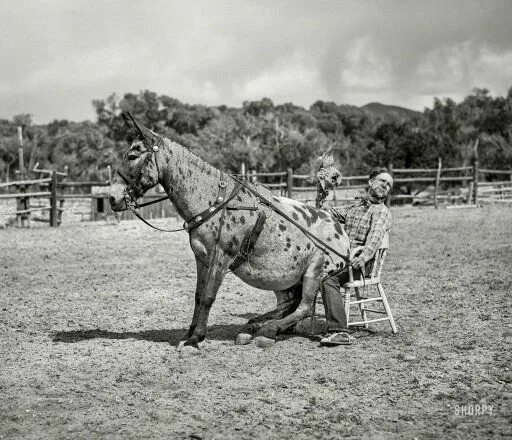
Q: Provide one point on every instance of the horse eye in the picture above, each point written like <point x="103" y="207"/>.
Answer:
<point x="132" y="156"/>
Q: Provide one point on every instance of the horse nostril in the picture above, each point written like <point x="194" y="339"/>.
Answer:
<point x="112" y="200"/>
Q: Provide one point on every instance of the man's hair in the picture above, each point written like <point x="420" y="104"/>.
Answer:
<point x="378" y="171"/>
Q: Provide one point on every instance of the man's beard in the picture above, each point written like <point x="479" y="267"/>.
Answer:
<point x="378" y="193"/>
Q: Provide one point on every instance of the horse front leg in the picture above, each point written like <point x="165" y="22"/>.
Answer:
<point x="266" y="336"/>
<point x="202" y="272"/>
<point x="205" y="297"/>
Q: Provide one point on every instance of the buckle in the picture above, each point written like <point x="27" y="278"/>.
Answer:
<point x="222" y="184"/>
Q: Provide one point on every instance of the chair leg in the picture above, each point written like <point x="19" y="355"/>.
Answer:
<point x="386" y="306"/>
<point x="347" y="305"/>
<point x="313" y="310"/>
<point x="362" y="307"/>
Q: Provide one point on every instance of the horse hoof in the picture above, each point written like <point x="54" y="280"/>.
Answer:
<point x="180" y="346"/>
<point x="243" y="338"/>
<point x="264" y="342"/>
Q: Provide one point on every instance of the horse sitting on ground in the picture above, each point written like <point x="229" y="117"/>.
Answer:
<point x="295" y="244"/>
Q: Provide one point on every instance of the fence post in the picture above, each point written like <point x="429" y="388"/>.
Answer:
<point x="289" y="183"/>
<point x="438" y="178"/>
<point x="21" y="163"/>
<point x="475" y="173"/>
<point x="470" y="193"/>
<point x="387" y="202"/>
<point x="53" y="201"/>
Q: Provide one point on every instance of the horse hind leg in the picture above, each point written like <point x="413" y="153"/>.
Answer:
<point x="267" y="334"/>
<point x="287" y="301"/>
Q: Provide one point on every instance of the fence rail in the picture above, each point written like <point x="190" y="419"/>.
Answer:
<point x="285" y="182"/>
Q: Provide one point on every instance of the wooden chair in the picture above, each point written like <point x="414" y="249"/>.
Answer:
<point x="354" y="287"/>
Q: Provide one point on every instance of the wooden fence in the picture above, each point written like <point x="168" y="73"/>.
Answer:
<point x="464" y="186"/>
<point x="498" y="191"/>
<point x="51" y="197"/>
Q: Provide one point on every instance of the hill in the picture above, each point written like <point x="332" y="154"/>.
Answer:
<point x="384" y="110"/>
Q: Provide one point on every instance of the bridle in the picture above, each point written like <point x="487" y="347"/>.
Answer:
<point x="131" y="193"/>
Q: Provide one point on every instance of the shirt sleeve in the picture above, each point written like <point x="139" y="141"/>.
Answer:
<point x="340" y="213"/>
<point x="380" y="224"/>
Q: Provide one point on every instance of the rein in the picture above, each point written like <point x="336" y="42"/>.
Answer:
<point x="220" y="203"/>
<point x="316" y="241"/>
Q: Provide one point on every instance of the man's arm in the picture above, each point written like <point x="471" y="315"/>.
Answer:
<point x="380" y="224"/>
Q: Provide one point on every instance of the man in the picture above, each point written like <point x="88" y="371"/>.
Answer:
<point x="366" y="223"/>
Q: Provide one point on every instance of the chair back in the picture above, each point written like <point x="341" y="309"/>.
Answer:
<point x="385" y="241"/>
<point x="380" y="256"/>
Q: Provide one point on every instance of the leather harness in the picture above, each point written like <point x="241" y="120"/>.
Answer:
<point x="220" y="204"/>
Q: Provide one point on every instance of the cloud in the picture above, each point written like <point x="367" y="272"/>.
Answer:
<point x="452" y="70"/>
<point x="290" y="80"/>
<point x="58" y="56"/>
<point x="366" y="69"/>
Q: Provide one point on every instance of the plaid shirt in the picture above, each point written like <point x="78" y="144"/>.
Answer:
<point x="365" y="223"/>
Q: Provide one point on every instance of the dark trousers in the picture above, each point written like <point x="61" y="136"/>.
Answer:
<point x="334" y="302"/>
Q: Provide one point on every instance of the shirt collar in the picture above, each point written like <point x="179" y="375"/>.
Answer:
<point x="367" y="201"/>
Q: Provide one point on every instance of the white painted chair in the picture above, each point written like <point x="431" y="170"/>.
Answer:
<point x="354" y="287"/>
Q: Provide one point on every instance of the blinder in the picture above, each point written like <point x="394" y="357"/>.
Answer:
<point x="132" y="192"/>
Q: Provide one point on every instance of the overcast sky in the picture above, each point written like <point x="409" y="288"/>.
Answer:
<point x="57" y="56"/>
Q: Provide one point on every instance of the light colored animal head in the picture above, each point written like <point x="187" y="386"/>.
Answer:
<point x="138" y="171"/>
<point x="324" y="172"/>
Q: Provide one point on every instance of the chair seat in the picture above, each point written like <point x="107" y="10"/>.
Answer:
<point x="361" y="283"/>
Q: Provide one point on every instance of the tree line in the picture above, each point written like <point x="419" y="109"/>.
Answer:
<point x="268" y="137"/>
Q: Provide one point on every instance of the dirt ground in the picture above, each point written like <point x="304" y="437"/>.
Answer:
<point x="91" y="313"/>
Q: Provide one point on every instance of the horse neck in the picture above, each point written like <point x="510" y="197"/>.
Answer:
<point x="190" y="182"/>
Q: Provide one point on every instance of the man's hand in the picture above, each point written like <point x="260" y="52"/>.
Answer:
<point x="357" y="263"/>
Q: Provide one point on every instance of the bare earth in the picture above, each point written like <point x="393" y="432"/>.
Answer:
<point x="90" y="315"/>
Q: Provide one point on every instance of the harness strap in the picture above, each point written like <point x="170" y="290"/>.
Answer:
<point x="248" y="242"/>
<point x="316" y="241"/>
<point x="219" y="203"/>
<point x="136" y="214"/>
<point x="161" y="199"/>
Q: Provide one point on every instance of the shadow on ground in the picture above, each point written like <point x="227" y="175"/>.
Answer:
<point x="226" y="332"/>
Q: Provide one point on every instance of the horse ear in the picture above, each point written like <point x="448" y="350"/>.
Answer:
<point x="142" y="131"/>
<point x="131" y="124"/>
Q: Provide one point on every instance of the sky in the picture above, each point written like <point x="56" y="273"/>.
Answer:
<point x="57" y="56"/>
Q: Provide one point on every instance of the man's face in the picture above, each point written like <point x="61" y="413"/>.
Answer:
<point x="381" y="185"/>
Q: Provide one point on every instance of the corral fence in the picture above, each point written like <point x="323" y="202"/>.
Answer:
<point x="52" y="196"/>
<point x="466" y="185"/>
<point x="52" y="199"/>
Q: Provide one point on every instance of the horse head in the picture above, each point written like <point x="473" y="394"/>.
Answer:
<point x="138" y="171"/>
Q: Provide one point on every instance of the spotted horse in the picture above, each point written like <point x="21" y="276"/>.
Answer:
<point x="296" y="244"/>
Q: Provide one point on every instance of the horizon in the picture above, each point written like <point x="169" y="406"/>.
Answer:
<point x="392" y="53"/>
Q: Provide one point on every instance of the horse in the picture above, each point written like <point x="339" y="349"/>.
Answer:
<point x="269" y="242"/>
